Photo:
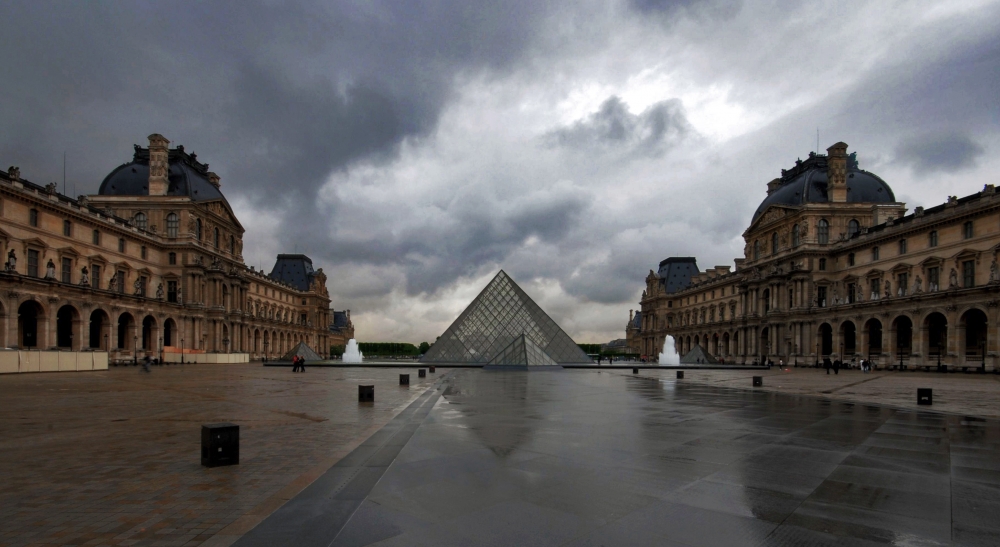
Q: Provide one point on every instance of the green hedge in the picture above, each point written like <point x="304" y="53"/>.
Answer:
<point x="387" y="348"/>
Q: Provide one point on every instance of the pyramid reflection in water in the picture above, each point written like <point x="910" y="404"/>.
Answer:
<point x="492" y="324"/>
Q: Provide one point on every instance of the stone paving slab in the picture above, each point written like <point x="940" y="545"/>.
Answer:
<point x="967" y="394"/>
<point x="113" y="457"/>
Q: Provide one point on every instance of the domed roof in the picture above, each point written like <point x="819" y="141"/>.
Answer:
<point x="807" y="183"/>
<point x="186" y="176"/>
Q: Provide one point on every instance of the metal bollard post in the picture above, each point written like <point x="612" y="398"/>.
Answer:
<point x="432" y="368"/>
<point x="422" y="373"/>
<point x="680" y="374"/>
<point x="220" y="444"/>
<point x="758" y="381"/>
<point x="404" y="379"/>
<point x="635" y="371"/>
<point x="366" y="394"/>
<point x="924" y="396"/>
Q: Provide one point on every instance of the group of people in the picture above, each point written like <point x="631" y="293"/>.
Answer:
<point x="298" y="364"/>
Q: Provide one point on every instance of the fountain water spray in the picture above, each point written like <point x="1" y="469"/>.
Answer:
<point x="669" y="355"/>
<point x="352" y="354"/>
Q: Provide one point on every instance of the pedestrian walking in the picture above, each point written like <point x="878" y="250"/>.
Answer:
<point x="302" y="364"/>
<point x="295" y="363"/>
<point x="826" y="364"/>
<point x="145" y="364"/>
<point x="836" y="366"/>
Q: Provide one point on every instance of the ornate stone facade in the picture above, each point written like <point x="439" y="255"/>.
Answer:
<point x="151" y="265"/>
<point x="838" y="269"/>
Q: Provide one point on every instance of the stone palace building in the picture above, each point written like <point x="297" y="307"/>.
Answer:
<point x="835" y="267"/>
<point x="151" y="265"/>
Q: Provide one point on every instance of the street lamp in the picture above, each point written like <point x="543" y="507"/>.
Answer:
<point x="265" y="350"/>
<point x="106" y="346"/>
<point x="225" y="343"/>
<point x="135" y="349"/>
<point x="182" y="350"/>
<point x="161" y="350"/>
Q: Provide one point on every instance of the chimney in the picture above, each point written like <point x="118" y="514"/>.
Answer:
<point x="630" y="315"/>
<point x="837" y="172"/>
<point x="773" y="185"/>
<point x="159" y="164"/>
<point x="214" y="179"/>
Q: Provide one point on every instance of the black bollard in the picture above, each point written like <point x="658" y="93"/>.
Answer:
<point x="220" y="444"/>
<point x="758" y="381"/>
<point x="404" y="379"/>
<point x="432" y="368"/>
<point x="422" y="373"/>
<point x="924" y="396"/>
<point x="680" y="374"/>
<point x="366" y="394"/>
<point x="635" y="371"/>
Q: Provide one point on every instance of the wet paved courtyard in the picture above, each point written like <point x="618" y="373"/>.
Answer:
<point x="582" y="458"/>
<point x="470" y="457"/>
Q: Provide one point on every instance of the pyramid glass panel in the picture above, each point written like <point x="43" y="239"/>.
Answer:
<point x="501" y="313"/>
<point x="522" y="352"/>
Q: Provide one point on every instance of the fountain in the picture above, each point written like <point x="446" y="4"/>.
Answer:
<point x="669" y="355"/>
<point x="352" y="354"/>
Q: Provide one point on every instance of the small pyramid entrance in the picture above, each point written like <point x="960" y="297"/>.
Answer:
<point x="498" y="316"/>
<point x="520" y="354"/>
<point x="302" y="350"/>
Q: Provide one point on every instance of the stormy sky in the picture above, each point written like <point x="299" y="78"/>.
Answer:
<point x="412" y="149"/>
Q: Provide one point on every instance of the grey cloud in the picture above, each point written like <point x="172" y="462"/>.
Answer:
<point x="936" y="153"/>
<point x="658" y="128"/>
<point x="699" y="9"/>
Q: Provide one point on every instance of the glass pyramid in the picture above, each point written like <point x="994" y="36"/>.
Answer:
<point x="501" y="313"/>
<point x="522" y="352"/>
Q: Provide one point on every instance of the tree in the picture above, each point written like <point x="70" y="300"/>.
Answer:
<point x="424" y="346"/>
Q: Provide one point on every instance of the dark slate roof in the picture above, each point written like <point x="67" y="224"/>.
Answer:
<point x="339" y="320"/>
<point x="637" y="321"/>
<point x="675" y="273"/>
<point x="807" y="183"/>
<point x="187" y="177"/>
<point x="295" y="270"/>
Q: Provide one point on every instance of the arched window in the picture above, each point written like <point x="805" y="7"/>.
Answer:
<point x="172" y="225"/>
<point x="216" y="238"/>
<point x="756" y="250"/>
<point x="774" y="243"/>
<point x="853" y="227"/>
<point x="197" y="229"/>
<point x="140" y="221"/>
<point x="823" y="231"/>
<point x="795" y="235"/>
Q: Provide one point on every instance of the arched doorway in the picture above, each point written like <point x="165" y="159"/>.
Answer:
<point x="848" y="339"/>
<point x="267" y="343"/>
<point x="873" y="329"/>
<point x="168" y="332"/>
<point x="716" y="350"/>
<point x="903" y="326"/>
<point x="99" y="331"/>
<point x="29" y="313"/>
<point x="766" y="300"/>
<point x="937" y="335"/>
<point x="67" y="320"/>
<point x="825" y="340"/>
<point x="726" y="350"/>
<point x="256" y="341"/>
<point x="974" y="321"/>
<point x="148" y="333"/>
<point x="126" y="330"/>
<point x="765" y="343"/>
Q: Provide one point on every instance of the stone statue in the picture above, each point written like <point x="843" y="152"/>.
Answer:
<point x="888" y="289"/>
<point x="836" y="297"/>
<point x="994" y="272"/>
<point x="159" y="291"/>
<point x="84" y="277"/>
<point x="918" y="285"/>
<point x="137" y="286"/>
<point x="50" y="270"/>
<point x="953" y="279"/>
<point x="11" y="261"/>
<point x="113" y="283"/>
<point x="13" y="173"/>
<point x="859" y="294"/>
<point x="901" y="291"/>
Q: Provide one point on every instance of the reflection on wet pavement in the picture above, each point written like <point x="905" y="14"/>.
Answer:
<point x="585" y="458"/>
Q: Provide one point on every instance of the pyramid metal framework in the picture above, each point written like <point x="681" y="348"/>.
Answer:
<point x="501" y="313"/>
<point x="302" y="350"/>
<point x="522" y="352"/>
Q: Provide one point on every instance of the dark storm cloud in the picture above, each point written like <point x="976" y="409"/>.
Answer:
<point x="273" y="91"/>
<point x="927" y="154"/>
<point x="661" y="126"/>
<point x="712" y="9"/>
